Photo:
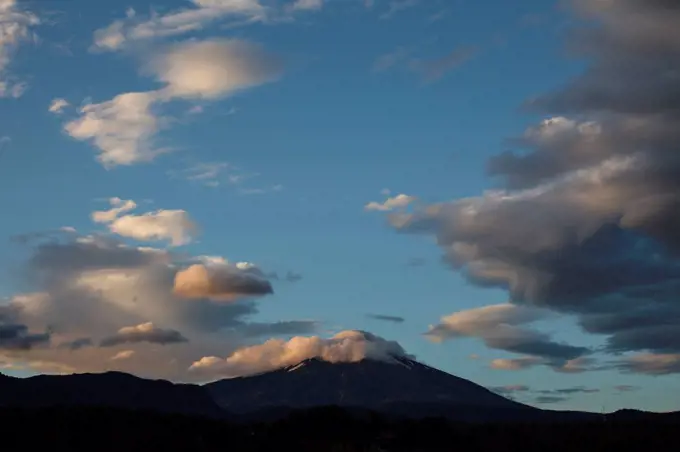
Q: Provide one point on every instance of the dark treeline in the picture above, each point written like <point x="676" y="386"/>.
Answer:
<point x="326" y="429"/>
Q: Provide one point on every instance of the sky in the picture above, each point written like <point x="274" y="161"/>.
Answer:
<point x="201" y="189"/>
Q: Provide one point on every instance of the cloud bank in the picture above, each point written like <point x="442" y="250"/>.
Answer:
<point x="99" y="304"/>
<point x="586" y="219"/>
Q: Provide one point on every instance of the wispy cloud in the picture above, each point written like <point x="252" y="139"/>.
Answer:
<point x="397" y="6"/>
<point x="430" y="70"/>
<point x="434" y="69"/>
<point x="626" y="388"/>
<point x="546" y="399"/>
<point x="260" y="190"/>
<point x="217" y="174"/>
<point x="398" y="202"/>
<point x="386" y="318"/>
<point x="124" y="354"/>
<point x="195" y="110"/>
<point x="58" y="105"/>
<point x="211" y="174"/>
<point x="133" y="28"/>
<point x="290" y="276"/>
<point x="195" y="17"/>
<point x="4" y="145"/>
<point x="545" y="396"/>
<point x="309" y="5"/>
<point x="391" y="59"/>
<point x="571" y="366"/>
<point x="439" y="15"/>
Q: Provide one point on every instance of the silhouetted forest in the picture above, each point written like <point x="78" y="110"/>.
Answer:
<point x="318" y="430"/>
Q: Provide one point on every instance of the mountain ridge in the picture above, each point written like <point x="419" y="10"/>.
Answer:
<point x="402" y="388"/>
<point x="108" y="389"/>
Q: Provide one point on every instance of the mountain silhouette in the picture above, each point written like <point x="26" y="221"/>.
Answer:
<point x="110" y="389"/>
<point x="400" y="388"/>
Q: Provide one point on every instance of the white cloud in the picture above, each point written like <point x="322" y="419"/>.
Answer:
<point x="133" y="29"/>
<point x="397" y="202"/>
<point x="58" y="105"/>
<point x="214" y="68"/>
<point x="118" y="206"/>
<point x="346" y="346"/>
<point x="175" y="226"/>
<point x="123" y="129"/>
<point x="15" y="28"/>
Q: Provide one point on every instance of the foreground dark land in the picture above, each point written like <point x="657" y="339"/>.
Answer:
<point x="323" y="429"/>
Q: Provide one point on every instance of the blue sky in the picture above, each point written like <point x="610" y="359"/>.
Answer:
<point x="333" y="103"/>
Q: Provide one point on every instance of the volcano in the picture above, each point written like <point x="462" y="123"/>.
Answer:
<point x="399" y="386"/>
